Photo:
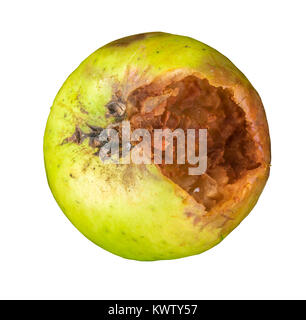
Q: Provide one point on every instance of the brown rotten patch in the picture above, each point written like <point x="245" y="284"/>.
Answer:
<point x="192" y="103"/>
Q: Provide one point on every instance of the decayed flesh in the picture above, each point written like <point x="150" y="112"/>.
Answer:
<point x="193" y="103"/>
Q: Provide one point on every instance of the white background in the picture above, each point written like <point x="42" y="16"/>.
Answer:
<point x="43" y="256"/>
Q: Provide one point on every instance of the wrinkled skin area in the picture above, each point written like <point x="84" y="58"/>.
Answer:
<point x="135" y="211"/>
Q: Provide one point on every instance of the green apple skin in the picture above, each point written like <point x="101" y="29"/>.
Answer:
<point x="132" y="210"/>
